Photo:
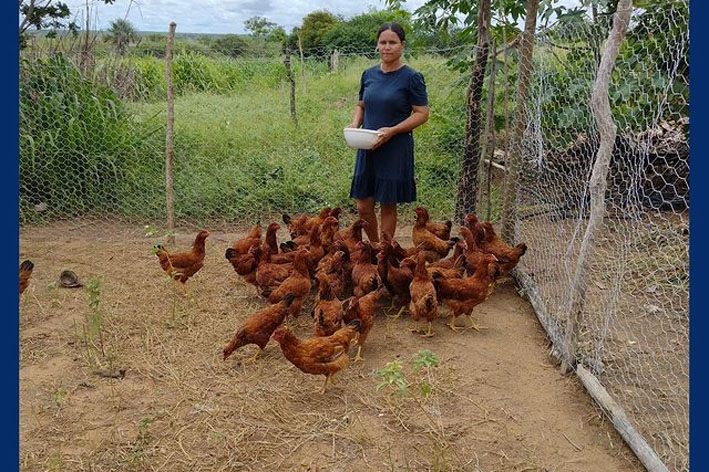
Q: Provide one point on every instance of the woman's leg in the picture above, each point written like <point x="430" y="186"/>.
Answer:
<point x="389" y="218"/>
<point x="365" y="208"/>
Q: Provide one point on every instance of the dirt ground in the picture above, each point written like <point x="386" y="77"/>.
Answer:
<point x="496" y="403"/>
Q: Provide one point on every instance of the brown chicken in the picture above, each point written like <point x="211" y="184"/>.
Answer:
<point x="302" y="224"/>
<point x="244" y="264"/>
<point x="241" y="246"/>
<point x="268" y="275"/>
<point x="333" y="270"/>
<point x="351" y="235"/>
<point x="183" y="265"/>
<point x="507" y="255"/>
<point x="397" y="276"/>
<point x="424" y="304"/>
<point x="26" y="268"/>
<point x="327" y="232"/>
<point x="318" y="356"/>
<point x="458" y="257"/>
<point x="365" y="278"/>
<point x="421" y="235"/>
<point x="440" y="229"/>
<point x="327" y="312"/>
<point x="271" y="243"/>
<point x="258" y="328"/>
<point x="363" y="309"/>
<point x="316" y="251"/>
<point x="297" y="283"/>
<point x="462" y="295"/>
<point x="473" y="254"/>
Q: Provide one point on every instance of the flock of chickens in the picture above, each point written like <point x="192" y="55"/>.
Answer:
<point x="350" y="276"/>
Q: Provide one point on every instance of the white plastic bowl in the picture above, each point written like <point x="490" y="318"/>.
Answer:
<point x="359" y="138"/>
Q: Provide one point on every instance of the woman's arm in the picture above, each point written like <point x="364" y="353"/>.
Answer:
<point x="358" y="115"/>
<point x="418" y="117"/>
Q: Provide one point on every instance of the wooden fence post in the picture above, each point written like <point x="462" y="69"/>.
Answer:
<point x="291" y="79"/>
<point x="509" y="203"/>
<point x="302" y="62"/>
<point x="488" y="151"/>
<point x="601" y="110"/>
<point x="170" y="136"/>
<point x="467" y="185"/>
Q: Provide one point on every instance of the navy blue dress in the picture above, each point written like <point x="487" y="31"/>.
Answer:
<point x="387" y="173"/>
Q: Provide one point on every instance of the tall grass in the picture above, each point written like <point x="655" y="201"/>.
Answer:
<point x="238" y="154"/>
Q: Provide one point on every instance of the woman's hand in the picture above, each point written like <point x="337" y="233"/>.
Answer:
<point x="385" y="135"/>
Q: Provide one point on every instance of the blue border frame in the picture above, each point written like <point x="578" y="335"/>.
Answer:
<point x="698" y="235"/>
<point x="9" y="193"/>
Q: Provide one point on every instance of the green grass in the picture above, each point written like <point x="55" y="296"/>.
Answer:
<point x="238" y="154"/>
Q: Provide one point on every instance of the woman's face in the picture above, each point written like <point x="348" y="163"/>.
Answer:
<point x="390" y="46"/>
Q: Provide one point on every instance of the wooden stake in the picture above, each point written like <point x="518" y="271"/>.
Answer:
<point x="637" y="443"/>
<point x="170" y="136"/>
<point x="601" y="109"/>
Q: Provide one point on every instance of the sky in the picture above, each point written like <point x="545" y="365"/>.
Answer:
<point x="222" y="16"/>
<point x="218" y="16"/>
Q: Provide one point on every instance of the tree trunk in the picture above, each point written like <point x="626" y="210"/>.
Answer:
<point x="170" y="136"/>
<point x="509" y="202"/>
<point x="601" y="109"/>
<point x="488" y="151"/>
<point x="467" y="185"/>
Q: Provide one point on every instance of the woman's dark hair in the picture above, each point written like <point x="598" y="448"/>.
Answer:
<point x="395" y="27"/>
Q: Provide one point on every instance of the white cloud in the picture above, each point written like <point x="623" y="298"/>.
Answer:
<point x="227" y="16"/>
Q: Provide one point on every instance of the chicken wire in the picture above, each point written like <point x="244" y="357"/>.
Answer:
<point x="634" y="328"/>
<point x="92" y="135"/>
<point x="92" y="151"/>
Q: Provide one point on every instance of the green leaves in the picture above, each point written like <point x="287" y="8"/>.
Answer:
<point x="392" y="374"/>
<point x="423" y="359"/>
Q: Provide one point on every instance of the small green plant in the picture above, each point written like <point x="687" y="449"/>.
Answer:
<point x="392" y="376"/>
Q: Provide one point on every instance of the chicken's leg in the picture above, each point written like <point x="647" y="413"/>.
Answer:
<point x="429" y="333"/>
<point x="358" y="357"/>
<point x="396" y="317"/>
<point x="451" y="324"/>
<point x="327" y="377"/>
<point x="473" y="325"/>
<point x="255" y="356"/>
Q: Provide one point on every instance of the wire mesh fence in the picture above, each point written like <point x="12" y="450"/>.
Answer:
<point x="634" y="332"/>
<point x="93" y="143"/>
<point x="92" y="153"/>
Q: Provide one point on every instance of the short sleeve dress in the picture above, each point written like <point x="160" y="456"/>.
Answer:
<point x="387" y="173"/>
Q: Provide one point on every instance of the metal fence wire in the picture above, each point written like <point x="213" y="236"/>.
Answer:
<point x="634" y="332"/>
<point x="92" y="153"/>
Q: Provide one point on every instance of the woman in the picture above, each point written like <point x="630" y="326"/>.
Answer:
<point x="393" y="101"/>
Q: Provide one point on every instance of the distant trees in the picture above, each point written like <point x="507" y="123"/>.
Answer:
<point x="42" y="15"/>
<point x="122" y="33"/>
<point x="260" y="27"/>
<point x="316" y="25"/>
<point x="230" y="45"/>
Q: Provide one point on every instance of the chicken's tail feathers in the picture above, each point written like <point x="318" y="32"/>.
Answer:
<point x="230" y="252"/>
<point x="266" y="293"/>
<point x="288" y="299"/>
<point x="27" y="265"/>
<point x="356" y="324"/>
<point x="286" y="218"/>
<point x="522" y="247"/>
<point x="321" y="318"/>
